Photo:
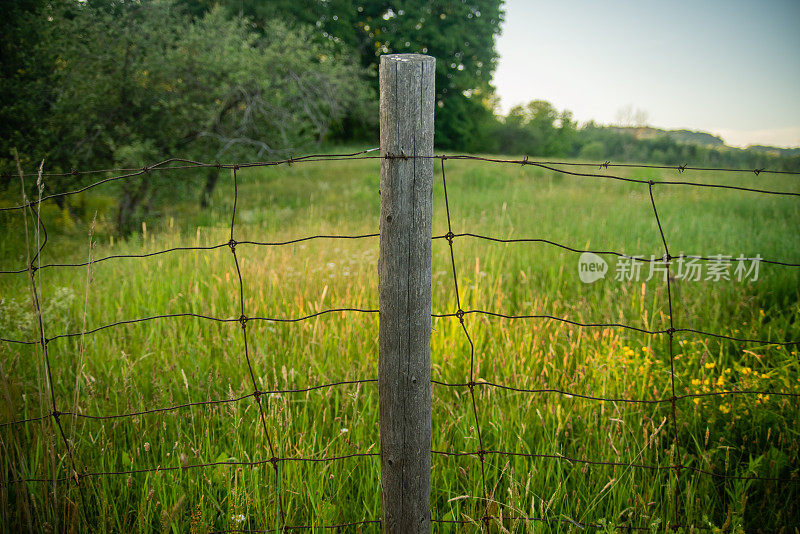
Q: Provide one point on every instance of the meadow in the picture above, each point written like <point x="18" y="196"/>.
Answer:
<point x="173" y="361"/>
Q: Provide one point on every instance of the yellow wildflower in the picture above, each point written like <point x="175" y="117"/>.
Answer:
<point x="710" y="365"/>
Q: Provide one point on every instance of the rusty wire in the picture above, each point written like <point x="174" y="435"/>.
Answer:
<point x="460" y="313"/>
<point x="675" y="465"/>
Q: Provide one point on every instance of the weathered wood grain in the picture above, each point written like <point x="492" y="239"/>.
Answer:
<point x="404" y="274"/>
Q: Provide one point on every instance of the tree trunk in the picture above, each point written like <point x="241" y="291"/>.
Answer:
<point x="132" y="196"/>
<point x="211" y="182"/>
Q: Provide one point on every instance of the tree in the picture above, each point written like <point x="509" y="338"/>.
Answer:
<point x="25" y="94"/>
<point x="136" y="82"/>
<point x="537" y="129"/>
<point x="628" y="116"/>
<point x="459" y="33"/>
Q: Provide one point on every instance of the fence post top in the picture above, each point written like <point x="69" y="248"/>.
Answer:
<point x="406" y="57"/>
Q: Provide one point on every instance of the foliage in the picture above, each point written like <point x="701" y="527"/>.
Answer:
<point x="25" y="93"/>
<point x="137" y="82"/>
<point x="539" y="125"/>
<point x="538" y="129"/>
<point x="460" y="34"/>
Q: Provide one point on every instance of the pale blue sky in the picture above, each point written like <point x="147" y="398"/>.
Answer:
<point x="728" y="67"/>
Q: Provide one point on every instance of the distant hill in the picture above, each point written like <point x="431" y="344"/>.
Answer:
<point x="775" y="151"/>
<point x="680" y="136"/>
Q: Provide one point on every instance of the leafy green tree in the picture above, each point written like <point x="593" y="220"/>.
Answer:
<point x="537" y="129"/>
<point x="459" y="33"/>
<point x="25" y="91"/>
<point x="136" y="82"/>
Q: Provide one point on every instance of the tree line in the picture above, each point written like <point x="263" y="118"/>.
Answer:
<point x="539" y="129"/>
<point x="123" y="83"/>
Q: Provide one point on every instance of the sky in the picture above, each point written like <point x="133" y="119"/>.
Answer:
<point x="731" y="68"/>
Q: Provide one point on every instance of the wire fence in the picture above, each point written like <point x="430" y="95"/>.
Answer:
<point x="75" y="474"/>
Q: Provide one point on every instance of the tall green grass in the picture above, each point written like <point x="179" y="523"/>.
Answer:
<point x="167" y="362"/>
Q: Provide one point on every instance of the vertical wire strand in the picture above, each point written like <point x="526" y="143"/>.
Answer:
<point x="42" y="342"/>
<point x="274" y="460"/>
<point x="671" y="333"/>
<point x="471" y="384"/>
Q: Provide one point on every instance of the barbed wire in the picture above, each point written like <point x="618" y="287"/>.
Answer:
<point x="162" y="165"/>
<point x="30" y="209"/>
<point x="548" y="165"/>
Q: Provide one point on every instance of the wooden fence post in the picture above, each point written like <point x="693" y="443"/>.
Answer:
<point x="404" y="289"/>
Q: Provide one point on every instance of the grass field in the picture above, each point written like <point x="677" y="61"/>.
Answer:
<point x="167" y="362"/>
